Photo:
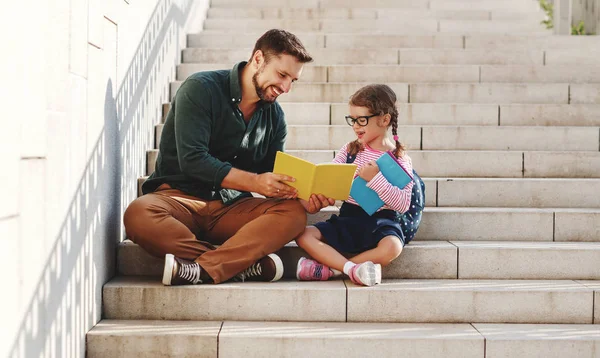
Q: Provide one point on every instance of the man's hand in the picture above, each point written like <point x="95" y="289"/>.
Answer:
<point x="368" y="171"/>
<point x="273" y="186"/>
<point x="316" y="202"/>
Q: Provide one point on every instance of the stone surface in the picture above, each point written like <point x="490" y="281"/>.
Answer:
<point x="541" y="74"/>
<point x="379" y="41"/>
<point x="550" y="115"/>
<point x="522" y="193"/>
<point x="577" y="225"/>
<point x="527" y="260"/>
<point x="412" y="74"/>
<point x="528" y="340"/>
<point x="470" y="57"/>
<point x="150" y="338"/>
<point x="562" y="164"/>
<point x="280" y="339"/>
<point x="510" y="138"/>
<point x="486" y="224"/>
<point x="437" y="163"/>
<point x="489" y="93"/>
<point x="143" y="298"/>
<point x="462" y="301"/>
<point x="585" y="94"/>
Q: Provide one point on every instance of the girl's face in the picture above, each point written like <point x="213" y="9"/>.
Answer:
<point x="375" y="129"/>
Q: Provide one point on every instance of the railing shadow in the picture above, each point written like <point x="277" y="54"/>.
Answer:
<point x="68" y="297"/>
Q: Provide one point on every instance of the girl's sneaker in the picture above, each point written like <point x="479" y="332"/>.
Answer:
<point x="366" y="274"/>
<point x="311" y="270"/>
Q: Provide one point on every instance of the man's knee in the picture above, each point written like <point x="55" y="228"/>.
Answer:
<point x="295" y="211"/>
<point x="136" y="216"/>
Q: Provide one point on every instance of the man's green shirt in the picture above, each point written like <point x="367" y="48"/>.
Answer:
<point x="205" y="135"/>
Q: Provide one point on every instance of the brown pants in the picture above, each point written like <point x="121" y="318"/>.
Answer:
<point x="171" y="222"/>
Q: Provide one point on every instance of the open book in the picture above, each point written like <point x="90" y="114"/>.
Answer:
<point x="330" y="179"/>
<point x="366" y="197"/>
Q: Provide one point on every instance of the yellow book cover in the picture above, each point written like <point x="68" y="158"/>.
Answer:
<point x="330" y="179"/>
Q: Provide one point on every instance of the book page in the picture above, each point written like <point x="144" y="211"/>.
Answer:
<point x="302" y="170"/>
<point x="334" y="180"/>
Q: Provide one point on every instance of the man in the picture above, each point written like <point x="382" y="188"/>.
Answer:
<point x="218" y="145"/>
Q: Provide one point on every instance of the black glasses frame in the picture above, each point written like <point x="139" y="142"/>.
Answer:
<point x="362" y="120"/>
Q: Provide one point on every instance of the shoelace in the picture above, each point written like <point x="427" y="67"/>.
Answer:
<point x="190" y="272"/>
<point x="254" y="270"/>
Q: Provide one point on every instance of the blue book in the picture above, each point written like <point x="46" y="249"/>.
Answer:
<point x="366" y="197"/>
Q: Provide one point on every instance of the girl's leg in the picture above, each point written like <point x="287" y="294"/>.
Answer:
<point x="386" y="251"/>
<point x="311" y="242"/>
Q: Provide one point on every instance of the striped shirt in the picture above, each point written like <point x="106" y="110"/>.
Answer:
<point x="393" y="197"/>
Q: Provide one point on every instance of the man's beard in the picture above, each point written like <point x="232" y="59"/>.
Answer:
<point x="260" y="91"/>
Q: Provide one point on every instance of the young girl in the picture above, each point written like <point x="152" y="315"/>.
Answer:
<point x="373" y="240"/>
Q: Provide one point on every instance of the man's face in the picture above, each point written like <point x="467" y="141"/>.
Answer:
<point x="276" y="76"/>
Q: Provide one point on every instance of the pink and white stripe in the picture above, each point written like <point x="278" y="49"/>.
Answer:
<point x="393" y="197"/>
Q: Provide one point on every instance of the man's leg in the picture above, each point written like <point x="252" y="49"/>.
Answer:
<point x="161" y="224"/>
<point x="248" y="230"/>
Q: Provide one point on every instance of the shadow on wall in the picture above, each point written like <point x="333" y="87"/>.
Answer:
<point x="68" y="297"/>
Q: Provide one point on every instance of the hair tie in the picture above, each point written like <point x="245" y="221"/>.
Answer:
<point x="396" y="138"/>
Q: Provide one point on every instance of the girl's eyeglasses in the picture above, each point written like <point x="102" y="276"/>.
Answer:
<point x="362" y="120"/>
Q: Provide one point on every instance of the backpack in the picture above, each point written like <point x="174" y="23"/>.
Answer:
<point x="410" y="220"/>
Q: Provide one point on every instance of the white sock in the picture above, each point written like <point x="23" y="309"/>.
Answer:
<point x="336" y="273"/>
<point x="347" y="266"/>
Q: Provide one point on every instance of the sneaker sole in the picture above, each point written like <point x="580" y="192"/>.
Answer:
<point x="278" y="267"/>
<point x="168" y="270"/>
<point x="298" y="267"/>
<point x="368" y="274"/>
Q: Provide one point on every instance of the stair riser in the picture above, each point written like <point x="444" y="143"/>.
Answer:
<point x="473" y="164"/>
<point x="446" y="301"/>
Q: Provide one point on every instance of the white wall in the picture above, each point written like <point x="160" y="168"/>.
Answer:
<point x="82" y="86"/>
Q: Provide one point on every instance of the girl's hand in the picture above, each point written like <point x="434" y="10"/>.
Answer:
<point x="369" y="171"/>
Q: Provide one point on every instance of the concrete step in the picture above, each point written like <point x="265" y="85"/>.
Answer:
<point x="325" y="92"/>
<point x="463" y="73"/>
<point x="518" y="193"/>
<point x="367" y="13"/>
<point x="520" y="42"/>
<point x="455" y="138"/>
<point x="199" y="59"/>
<point x="489" y="5"/>
<point x="124" y="338"/>
<point x="438" y="260"/>
<point x="472" y="41"/>
<point x="524" y="42"/>
<point x="448" y="114"/>
<point x="388" y="71"/>
<point x="509" y="93"/>
<point x="421" y="259"/>
<point x="582" y="56"/>
<point x="454" y="56"/>
<point x="510" y="224"/>
<point x="493" y="223"/>
<point x="442" y="301"/>
<point x="482" y="164"/>
<point x="412" y="26"/>
<point x="493" y="27"/>
<point x="408" y="4"/>
<point x="585" y="94"/>
<point x="196" y="59"/>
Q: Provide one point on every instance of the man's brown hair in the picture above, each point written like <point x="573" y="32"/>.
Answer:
<point x="276" y="42"/>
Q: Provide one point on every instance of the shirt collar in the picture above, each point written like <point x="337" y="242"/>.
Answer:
<point x="235" y="86"/>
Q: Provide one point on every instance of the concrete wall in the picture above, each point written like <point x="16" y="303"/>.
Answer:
<point x="83" y="84"/>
